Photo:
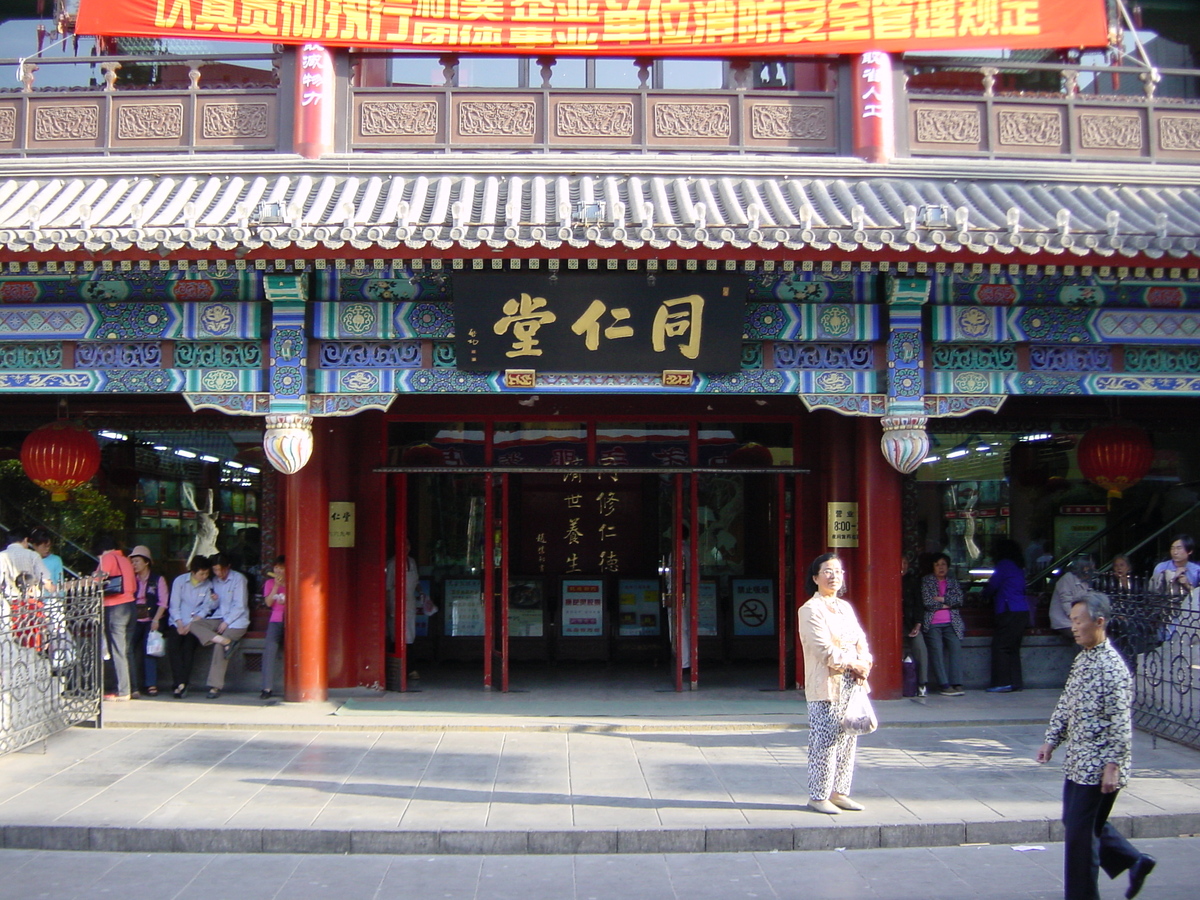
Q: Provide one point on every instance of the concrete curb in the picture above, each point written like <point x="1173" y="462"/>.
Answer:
<point x="825" y="836"/>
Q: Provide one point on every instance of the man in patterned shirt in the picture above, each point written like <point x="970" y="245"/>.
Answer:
<point x="1093" y="719"/>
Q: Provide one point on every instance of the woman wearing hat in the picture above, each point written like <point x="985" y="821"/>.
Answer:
<point x="152" y="598"/>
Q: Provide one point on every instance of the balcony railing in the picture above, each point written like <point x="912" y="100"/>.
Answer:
<point x="1012" y="109"/>
<point x="142" y="104"/>
<point x="946" y="107"/>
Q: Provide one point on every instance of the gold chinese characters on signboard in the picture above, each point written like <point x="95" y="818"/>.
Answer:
<point x="341" y="524"/>
<point x="842" y="525"/>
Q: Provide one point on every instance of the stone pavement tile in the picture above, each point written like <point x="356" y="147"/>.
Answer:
<point x="904" y="874"/>
<point x="218" y="773"/>
<point x="606" y="877"/>
<point x="813" y="876"/>
<point x="429" y="877"/>
<point x="52" y="873"/>
<point x="705" y="876"/>
<point x="457" y="785"/>
<point x="533" y="785"/>
<point x="608" y="787"/>
<point x="378" y="790"/>
<point x="233" y="877"/>
<point x="527" y="878"/>
<point x="313" y="878"/>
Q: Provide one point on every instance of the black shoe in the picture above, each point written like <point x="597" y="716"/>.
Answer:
<point x="180" y="692"/>
<point x="214" y="693"/>
<point x="1137" y="874"/>
<point x="265" y="695"/>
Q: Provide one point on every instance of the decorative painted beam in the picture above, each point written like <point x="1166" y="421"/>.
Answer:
<point x="288" y="439"/>
<point x="904" y="443"/>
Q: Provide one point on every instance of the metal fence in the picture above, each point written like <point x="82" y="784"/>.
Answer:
<point x="51" y="674"/>
<point x="1160" y="637"/>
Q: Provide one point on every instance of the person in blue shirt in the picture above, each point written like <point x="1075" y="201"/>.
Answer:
<point x="1006" y="590"/>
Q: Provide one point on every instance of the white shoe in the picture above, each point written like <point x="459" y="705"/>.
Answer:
<point x="841" y="801"/>
<point x="922" y="691"/>
<point x="822" y="806"/>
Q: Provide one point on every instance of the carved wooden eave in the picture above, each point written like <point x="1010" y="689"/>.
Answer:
<point x="596" y="204"/>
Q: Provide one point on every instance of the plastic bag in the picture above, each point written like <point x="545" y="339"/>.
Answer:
<point x="859" y="717"/>
<point x="155" y="644"/>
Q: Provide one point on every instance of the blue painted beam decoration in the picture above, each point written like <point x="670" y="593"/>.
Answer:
<point x="133" y="321"/>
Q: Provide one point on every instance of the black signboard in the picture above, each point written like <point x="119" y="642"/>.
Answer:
<point x="613" y="322"/>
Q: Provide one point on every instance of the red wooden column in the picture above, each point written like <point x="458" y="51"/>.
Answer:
<point x="874" y="107"/>
<point x="877" y="598"/>
<point x="316" y="101"/>
<point x="306" y="539"/>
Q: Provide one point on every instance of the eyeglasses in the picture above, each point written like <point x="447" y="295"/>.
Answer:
<point x="828" y="572"/>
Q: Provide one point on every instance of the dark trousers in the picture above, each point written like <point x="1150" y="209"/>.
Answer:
<point x="1006" y="649"/>
<point x="1091" y="842"/>
<point x="181" y="650"/>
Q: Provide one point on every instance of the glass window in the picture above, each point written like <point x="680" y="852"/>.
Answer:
<point x="540" y="444"/>
<point x="570" y="72"/>
<point x="691" y="74"/>
<point x="616" y="73"/>
<point x="642" y="444"/>
<point x="422" y="444"/>
<point x="493" y="72"/>
<point x="975" y="487"/>
<point x="417" y="71"/>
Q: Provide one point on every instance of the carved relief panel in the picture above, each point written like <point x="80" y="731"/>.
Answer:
<point x="1029" y="129"/>
<point x="247" y="120"/>
<point x="8" y="124"/>
<point x="496" y="119"/>
<point x="66" y="123"/>
<point x="947" y="126"/>
<point x="1111" y="131"/>
<point x="149" y="121"/>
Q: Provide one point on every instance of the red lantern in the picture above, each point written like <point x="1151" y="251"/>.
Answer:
<point x="1115" y="457"/>
<point x="60" y="456"/>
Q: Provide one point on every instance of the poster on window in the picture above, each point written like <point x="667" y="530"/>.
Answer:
<point x="753" y="607"/>
<point x="707" y="611"/>
<point x="639" y="606"/>
<point x="583" y="607"/>
<point x="525" y="608"/>
<point x="464" y="607"/>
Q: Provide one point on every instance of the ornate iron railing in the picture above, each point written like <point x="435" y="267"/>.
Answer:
<point x="1159" y="635"/>
<point x="50" y="661"/>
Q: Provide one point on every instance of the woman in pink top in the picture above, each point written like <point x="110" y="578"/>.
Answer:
<point x="275" y="596"/>
<point x="943" y="625"/>
<point x="118" y="613"/>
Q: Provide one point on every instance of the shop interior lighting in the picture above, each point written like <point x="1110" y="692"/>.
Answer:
<point x="113" y="435"/>
<point x="1036" y="437"/>
<point x="186" y="454"/>
<point x="161" y="448"/>
<point x="957" y="452"/>
<point x="250" y="470"/>
<point x="209" y="459"/>
<point x="233" y="464"/>
<point x="931" y="459"/>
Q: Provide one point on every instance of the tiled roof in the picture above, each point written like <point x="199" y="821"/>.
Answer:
<point x="596" y="202"/>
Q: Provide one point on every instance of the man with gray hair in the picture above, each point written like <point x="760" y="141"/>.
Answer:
<point x="1093" y="719"/>
<point x="1073" y="584"/>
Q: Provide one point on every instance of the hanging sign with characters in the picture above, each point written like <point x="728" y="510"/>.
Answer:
<point x="599" y="323"/>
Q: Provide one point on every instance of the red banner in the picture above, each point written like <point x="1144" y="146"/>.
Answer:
<point x="615" y="27"/>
